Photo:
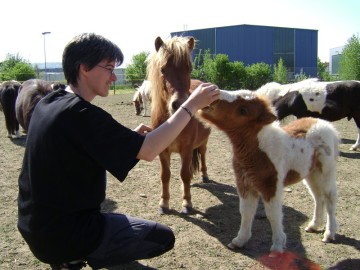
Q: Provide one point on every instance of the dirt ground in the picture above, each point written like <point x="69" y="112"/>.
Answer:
<point x="202" y="237"/>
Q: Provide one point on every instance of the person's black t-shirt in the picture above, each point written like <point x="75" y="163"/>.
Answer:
<point x="70" y="146"/>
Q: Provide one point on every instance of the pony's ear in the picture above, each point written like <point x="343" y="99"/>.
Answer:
<point x="158" y="43"/>
<point x="267" y="117"/>
<point x="191" y="44"/>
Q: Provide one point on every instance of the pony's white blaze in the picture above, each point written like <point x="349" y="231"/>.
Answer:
<point x="231" y="96"/>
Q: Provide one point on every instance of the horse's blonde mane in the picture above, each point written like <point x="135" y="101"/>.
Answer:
<point x="176" y="48"/>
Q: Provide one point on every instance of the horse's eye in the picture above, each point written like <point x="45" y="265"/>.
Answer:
<point x="242" y="111"/>
<point x="162" y="71"/>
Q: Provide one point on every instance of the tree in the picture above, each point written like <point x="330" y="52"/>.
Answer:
<point x="350" y="60"/>
<point x="322" y="73"/>
<point x="16" y="68"/>
<point x="280" y="72"/>
<point x="136" y="71"/>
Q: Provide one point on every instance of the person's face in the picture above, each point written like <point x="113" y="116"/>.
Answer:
<point x="101" y="77"/>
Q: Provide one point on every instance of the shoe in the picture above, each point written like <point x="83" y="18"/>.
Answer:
<point x="76" y="265"/>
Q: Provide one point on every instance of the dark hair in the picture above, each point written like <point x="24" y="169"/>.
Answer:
<point x="88" y="49"/>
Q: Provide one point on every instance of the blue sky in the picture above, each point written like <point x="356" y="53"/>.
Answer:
<point x="134" y="25"/>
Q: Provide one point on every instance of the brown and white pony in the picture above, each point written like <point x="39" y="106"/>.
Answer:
<point x="145" y="94"/>
<point x="137" y="101"/>
<point x="169" y="69"/>
<point x="267" y="157"/>
<point x="8" y="94"/>
<point x="30" y="93"/>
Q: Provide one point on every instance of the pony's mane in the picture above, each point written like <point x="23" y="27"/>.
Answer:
<point x="177" y="48"/>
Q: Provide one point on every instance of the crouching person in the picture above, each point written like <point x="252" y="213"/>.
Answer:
<point x="71" y="143"/>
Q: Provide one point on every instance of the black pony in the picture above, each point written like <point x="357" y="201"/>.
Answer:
<point x="331" y="101"/>
<point x="8" y="94"/>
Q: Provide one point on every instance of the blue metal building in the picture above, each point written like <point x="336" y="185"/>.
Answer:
<point x="252" y="44"/>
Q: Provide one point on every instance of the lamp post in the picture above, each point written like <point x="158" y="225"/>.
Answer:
<point x="44" y="34"/>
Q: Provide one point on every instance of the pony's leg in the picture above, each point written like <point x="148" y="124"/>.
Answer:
<point x="145" y="105"/>
<point x="203" y="168"/>
<point x="17" y="130"/>
<point x="186" y="176"/>
<point x="317" y="222"/>
<point x="273" y="209"/>
<point x="357" y="143"/>
<point x="247" y="209"/>
<point x="165" y="182"/>
<point x="330" y="203"/>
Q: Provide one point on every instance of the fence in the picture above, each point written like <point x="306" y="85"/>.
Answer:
<point x="122" y="80"/>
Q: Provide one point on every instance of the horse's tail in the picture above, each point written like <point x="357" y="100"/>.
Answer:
<point x="196" y="161"/>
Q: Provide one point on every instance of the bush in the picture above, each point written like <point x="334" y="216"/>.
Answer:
<point x="280" y="72"/>
<point x="257" y="75"/>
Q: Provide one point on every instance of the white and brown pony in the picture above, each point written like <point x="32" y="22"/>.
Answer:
<point x="331" y="101"/>
<point x="137" y="101"/>
<point x="8" y="95"/>
<point x="169" y="69"/>
<point x="143" y="97"/>
<point x="267" y="157"/>
<point x="30" y="93"/>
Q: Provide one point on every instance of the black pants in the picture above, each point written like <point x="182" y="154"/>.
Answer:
<point x="128" y="239"/>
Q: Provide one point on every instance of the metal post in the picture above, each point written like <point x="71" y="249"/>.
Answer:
<point x="45" y="33"/>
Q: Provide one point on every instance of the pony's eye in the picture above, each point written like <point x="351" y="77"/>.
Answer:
<point x="242" y="111"/>
<point x="162" y="71"/>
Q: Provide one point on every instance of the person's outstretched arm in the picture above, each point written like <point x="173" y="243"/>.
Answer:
<point x="157" y="140"/>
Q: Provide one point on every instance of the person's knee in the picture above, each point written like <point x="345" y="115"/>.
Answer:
<point x="163" y="236"/>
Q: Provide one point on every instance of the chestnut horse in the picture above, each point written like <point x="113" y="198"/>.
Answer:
<point x="169" y="69"/>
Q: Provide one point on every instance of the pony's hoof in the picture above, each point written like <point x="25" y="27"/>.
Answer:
<point x="187" y="210"/>
<point x="164" y="211"/>
<point x="206" y="180"/>
<point x="328" y="238"/>
<point x="312" y="230"/>
<point x="232" y="246"/>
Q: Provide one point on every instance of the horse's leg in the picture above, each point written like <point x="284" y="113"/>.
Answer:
<point x="247" y="209"/>
<point x="145" y="104"/>
<point x="165" y="182"/>
<point x="203" y="168"/>
<point x="330" y="203"/>
<point x="317" y="222"/>
<point x="357" y="143"/>
<point x="273" y="209"/>
<point x="186" y="174"/>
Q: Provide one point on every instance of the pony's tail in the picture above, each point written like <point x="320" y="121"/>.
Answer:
<point x="195" y="161"/>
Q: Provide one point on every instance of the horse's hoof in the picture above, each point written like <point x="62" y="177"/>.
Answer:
<point x="312" y="230"/>
<point x="187" y="210"/>
<point x="164" y="211"/>
<point x="206" y="180"/>
<point x="327" y="240"/>
<point x="232" y="246"/>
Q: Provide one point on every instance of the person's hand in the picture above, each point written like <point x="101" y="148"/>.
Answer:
<point x="203" y="95"/>
<point x="143" y="129"/>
